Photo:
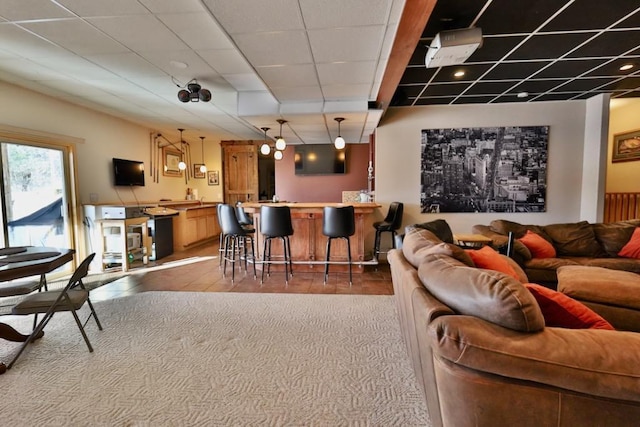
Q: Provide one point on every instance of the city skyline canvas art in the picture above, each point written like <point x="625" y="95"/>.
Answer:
<point x="484" y="169"/>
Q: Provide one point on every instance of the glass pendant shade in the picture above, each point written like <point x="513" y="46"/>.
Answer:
<point x="280" y="144"/>
<point x="203" y="167"/>
<point x="182" y="165"/>
<point x="265" y="149"/>
<point x="277" y="155"/>
<point x="339" y="143"/>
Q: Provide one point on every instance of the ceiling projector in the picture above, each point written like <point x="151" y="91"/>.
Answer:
<point x="452" y="47"/>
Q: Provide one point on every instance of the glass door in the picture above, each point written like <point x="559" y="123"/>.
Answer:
<point x="34" y="196"/>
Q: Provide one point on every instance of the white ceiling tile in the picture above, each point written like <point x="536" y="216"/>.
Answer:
<point x="303" y="107"/>
<point x="346" y="73"/>
<point x="332" y="14"/>
<point x="253" y="103"/>
<point x="289" y="75"/>
<point x="346" y="44"/>
<point x="19" y="10"/>
<point x="104" y="8"/>
<point x="76" y="67"/>
<point x="197" y="68"/>
<point x="275" y="48"/>
<point x="297" y="93"/>
<point x="31" y="71"/>
<point x="245" y="82"/>
<point x="77" y="36"/>
<point x="197" y="30"/>
<point x="226" y="61"/>
<point x="396" y="11"/>
<point x="140" y="32"/>
<point x="20" y="42"/>
<point x="127" y="65"/>
<point x="261" y="15"/>
<point x="173" y="6"/>
<point x="351" y="91"/>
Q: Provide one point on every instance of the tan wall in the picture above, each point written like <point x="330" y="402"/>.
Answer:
<point x="623" y="177"/>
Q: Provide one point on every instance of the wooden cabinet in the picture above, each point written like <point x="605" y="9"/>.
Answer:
<point x="194" y="225"/>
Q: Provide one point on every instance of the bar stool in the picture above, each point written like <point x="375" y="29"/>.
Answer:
<point x="275" y="223"/>
<point x="390" y="224"/>
<point x="243" y="217"/>
<point x="235" y="240"/>
<point x="338" y="223"/>
<point x="221" y="240"/>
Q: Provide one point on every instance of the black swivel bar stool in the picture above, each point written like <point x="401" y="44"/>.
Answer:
<point x="275" y="222"/>
<point x="390" y="224"/>
<point x="338" y="223"/>
<point x="243" y="217"/>
<point x="235" y="239"/>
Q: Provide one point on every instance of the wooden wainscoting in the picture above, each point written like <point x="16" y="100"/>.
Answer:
<point x="621" y="206"/>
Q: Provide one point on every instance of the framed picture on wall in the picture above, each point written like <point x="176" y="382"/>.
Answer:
<point x="626" y="146"/>
<point x="171" y="158"/>
<point x="213" y="177"/>
<point x="197" y="173"/>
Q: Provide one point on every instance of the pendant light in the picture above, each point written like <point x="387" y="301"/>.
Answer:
<point x="280" y="142"/>
<point x="339" y="142"/>
<point x="203" y="167"/>
<point x="182" y="165"/>
<point x="277" y="155"/>
<point x="264" y="148"/>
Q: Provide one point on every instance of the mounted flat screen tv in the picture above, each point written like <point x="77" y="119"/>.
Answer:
<point x="319" y="159"/>
<point x="128" y="172"/>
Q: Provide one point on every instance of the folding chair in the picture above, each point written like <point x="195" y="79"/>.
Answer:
<point x="71" y="298"/>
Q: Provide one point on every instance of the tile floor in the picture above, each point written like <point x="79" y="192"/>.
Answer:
<point x="198" y="270"/>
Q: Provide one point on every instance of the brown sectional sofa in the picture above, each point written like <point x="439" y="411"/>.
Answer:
<point x="579" y="243"/>
<point x="483" y="356"/>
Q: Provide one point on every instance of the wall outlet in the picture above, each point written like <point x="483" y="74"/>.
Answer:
<point x="93" y="197"/>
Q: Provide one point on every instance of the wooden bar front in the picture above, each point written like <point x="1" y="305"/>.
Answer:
<point x="308" y="244"/>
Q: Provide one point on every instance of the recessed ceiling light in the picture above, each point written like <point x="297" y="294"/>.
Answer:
<point x="178" y="64"/>
<point x="626" y="67"/>
<point x="522" y="94"/>
<point x="459" y="73"/>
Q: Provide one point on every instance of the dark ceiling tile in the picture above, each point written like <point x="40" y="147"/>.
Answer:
<point x="508" y="98"/>
<point x="537" y="86"/>
<point x="494" y="48"/>
<point x="631" y="22"/>
<point x="417" y="75"/>
<point x="471" y="72"/>
<point x="473" y="99"/>
<point x="515" y="70"/>
<point x="632" y="94"/>
<point x="610" y="43"/>
<point x="613" y="68"/>
<point x="627" y="84"/>
<point x="556" y="96"/>
<point x="509" y="17"/>
<point x="418" y="55"/>
<point x="579" y="85"/>
<point x="452" y="14"/>
<point x="587" y="95"/>
<point x="589" y="14"/>
<point x="489" y="88"/>
<point x="411" y="90"/>
<point x="435" y="101"/>
<point x="445" y="89"/>
<point x="569" y="68"/>
<point x="548" y="46"/>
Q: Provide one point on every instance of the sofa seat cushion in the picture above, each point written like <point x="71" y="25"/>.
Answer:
<point x="548" y="263"/>
<point x="613" y="236"/>
<point x="489" y="295"/>
<point x="419" y="243"/>
<point x="624" y="264"/>
<point x="590" y="361"/>
<point x="560" y="310"/>
<point x="601" y="285"/>
<point x="574" y="239"/>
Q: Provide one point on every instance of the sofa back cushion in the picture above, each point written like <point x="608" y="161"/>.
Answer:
<point x="439" y="227"/>
<point x="575" y="239"/>
<point x="505" y="227"/>
<point x="614" y="235"/>
<point x="419" y="243"/>
<point x="489" y="295"/>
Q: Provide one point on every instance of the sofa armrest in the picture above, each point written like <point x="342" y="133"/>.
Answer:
<point x="591" y="361"/>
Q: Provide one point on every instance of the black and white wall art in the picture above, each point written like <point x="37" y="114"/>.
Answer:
<point x="488" y="169"/>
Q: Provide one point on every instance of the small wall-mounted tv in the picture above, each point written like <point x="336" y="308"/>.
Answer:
<point x="128" y="172"/>
<point x="319" y="159"/>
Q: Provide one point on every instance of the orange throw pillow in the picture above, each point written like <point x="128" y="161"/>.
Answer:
<point x="487" y="257"/>
<point x="632" y="248"/>
<point x="537" y="245"/>
<point x="562" y="311"/>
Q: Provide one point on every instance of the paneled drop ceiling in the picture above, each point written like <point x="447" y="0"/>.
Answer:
<point x="305" y="61"/>
<point x="543" y="50"/>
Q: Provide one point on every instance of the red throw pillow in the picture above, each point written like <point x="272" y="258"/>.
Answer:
<point x="487" y="257"/>
<point x="562" y="311"/>
<point x="632" y="248"/>
<point x="537" y="245"/>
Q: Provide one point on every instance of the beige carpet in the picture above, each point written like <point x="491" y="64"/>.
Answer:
<point x="218" y="359"/>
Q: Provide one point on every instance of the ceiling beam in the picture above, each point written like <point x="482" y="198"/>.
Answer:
<point x="414" y="18"/>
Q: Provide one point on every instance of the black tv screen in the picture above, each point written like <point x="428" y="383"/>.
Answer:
<point x="319" y="159"/>
<point x="128" y="172"/>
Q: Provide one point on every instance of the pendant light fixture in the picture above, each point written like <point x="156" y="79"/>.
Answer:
<point x="277" y="155"/>
<point x="264" y="148"/>
<point x="203" y="167"/>
<point x="280" y="142"/>
<point x="339" y="142"/>
<point x="182" y="165"/>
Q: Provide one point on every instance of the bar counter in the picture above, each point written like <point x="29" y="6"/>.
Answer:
<point x="308" y="244"/>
